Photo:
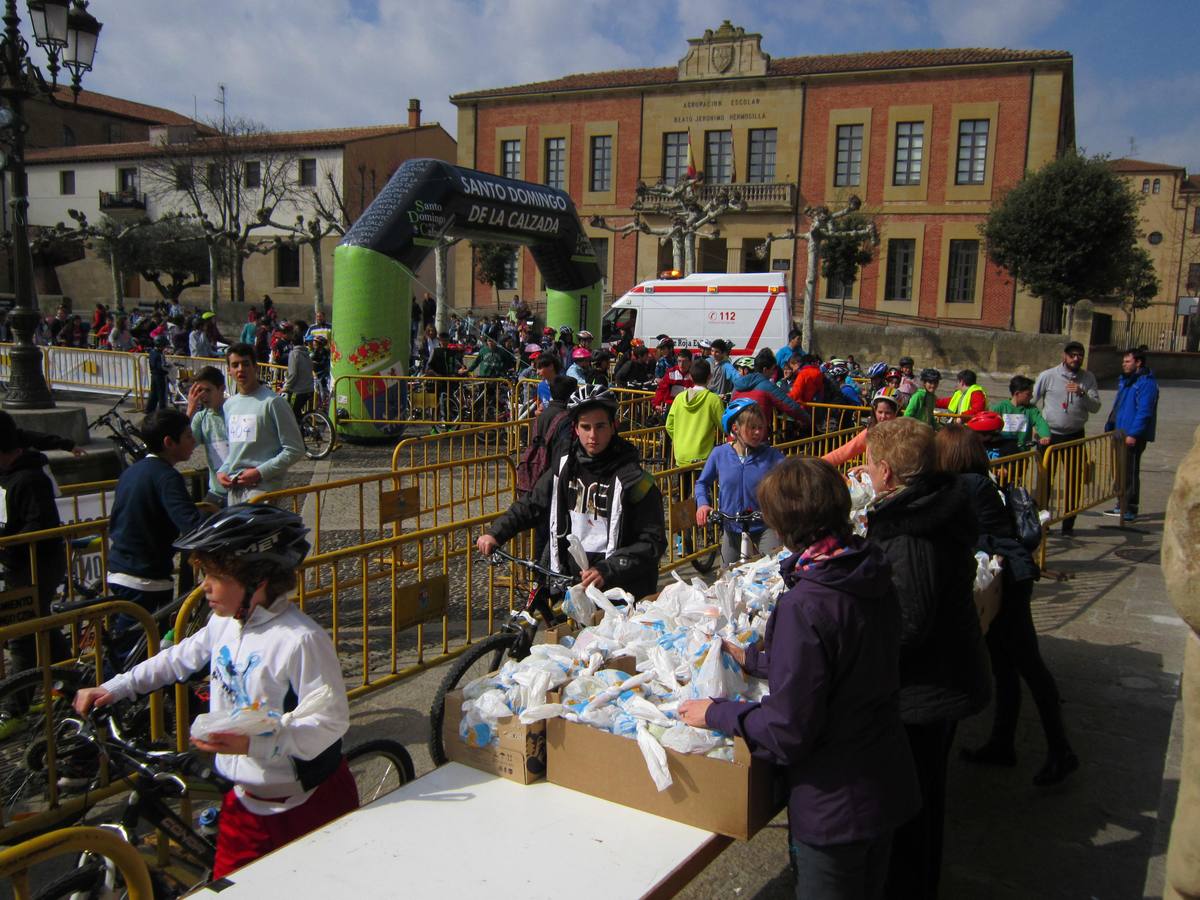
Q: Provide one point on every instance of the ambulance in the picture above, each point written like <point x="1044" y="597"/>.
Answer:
<point x="750" y="310"/>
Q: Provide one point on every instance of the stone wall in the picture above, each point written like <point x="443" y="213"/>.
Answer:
<point x="1000" y="354"/>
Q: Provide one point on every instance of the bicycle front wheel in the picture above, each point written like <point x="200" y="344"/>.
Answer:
<point x="480" y="659"/>
<point x="318" y="434"/>
<point x="379" y="767"/>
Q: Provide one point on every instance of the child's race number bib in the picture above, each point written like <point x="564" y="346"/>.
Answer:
<point x="243" y="429"/>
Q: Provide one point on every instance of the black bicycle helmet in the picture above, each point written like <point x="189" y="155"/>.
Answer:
<point x="592" y="396"/>
<point x="251" y="532"/>
<point x="931" y="375"/>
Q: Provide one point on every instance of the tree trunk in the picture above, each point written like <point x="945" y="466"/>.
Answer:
<point x="117" y="287"/>
<point x="810" y="293"/>
<point x="318" y="279"/>
<point x="677" y="254"/>
<point x="689" y="254"/>
<point x="212" y="277"/>
<point x="238" y="283"/>
<point x="441" y="257"/>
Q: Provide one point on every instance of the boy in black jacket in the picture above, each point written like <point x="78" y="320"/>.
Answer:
<point x="599" y="492"/>
<point x="27" y="504"/>
<point x="151" y="509"/>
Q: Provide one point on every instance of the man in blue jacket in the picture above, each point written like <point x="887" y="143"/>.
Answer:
<point x="1135" y="412"/>
<point x="151" y="509"/>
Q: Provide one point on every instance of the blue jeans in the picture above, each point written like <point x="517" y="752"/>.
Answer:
<point x="853" y="871"/>
<point x="126" y="630"/>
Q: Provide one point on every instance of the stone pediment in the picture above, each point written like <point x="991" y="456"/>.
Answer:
<point x="728" y="52"/>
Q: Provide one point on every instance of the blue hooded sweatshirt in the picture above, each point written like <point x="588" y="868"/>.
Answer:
<point x="1135" y="411"/>
<point x="738" y="477"/>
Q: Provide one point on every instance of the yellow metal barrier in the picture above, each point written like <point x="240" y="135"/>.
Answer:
<point x="1083" y="473"/>
<point x="372" y="507"/>
<point x="94" y="371"/>
<point x="424" y="400"/>
<point x="635" y="409"/>
<point x="399" y="605"/>
<point x="15" y="862"/>
<point x="462" y="444"/>
<point x="1022" y="469"/>
<point x="837" y="416"/>
<point x="90" y="661"/>
<point x="186" y="368"/>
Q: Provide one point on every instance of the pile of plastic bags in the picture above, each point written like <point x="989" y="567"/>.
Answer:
<point x="675" y="643"/>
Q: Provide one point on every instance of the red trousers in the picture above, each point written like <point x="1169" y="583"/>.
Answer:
<point x="243" y="836"/>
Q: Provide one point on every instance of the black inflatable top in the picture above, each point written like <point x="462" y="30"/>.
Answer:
<point x="428" y="198"/>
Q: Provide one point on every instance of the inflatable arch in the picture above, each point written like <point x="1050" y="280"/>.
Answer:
<point x="423" y="201"/>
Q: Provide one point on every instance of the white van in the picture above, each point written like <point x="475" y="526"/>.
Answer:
<point x="751" y="311"/>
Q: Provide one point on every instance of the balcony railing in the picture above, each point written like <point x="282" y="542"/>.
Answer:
<point x="759" y="195"/>
<point x="118" y="200"/>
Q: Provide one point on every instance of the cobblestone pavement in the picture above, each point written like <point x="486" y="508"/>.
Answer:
<point x="1115" y="645"/>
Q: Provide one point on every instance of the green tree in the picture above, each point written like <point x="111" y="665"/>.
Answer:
<point x="492" y="261"/>
<point x="171" y="254"/>
<point x="1139" y="288"/>
<point x="1066" y="232"/>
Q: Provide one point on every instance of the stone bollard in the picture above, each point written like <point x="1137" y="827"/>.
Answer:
<point x="1181" y="568"/>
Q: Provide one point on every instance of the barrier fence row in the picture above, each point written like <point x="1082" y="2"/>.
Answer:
<point x="116" y="372"/>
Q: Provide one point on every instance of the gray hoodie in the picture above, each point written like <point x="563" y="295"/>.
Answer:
<point x="1066" y="413"/>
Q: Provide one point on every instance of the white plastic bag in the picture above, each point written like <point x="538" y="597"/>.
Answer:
<point x="655" y="756"/>
<point x="255" y="719"/>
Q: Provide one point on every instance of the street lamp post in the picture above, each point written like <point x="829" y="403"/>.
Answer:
<point x="67" y="32"/>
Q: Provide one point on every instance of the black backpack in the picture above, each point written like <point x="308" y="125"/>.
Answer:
<point x="536" y="458"/>
<point x="1024" y="512"/>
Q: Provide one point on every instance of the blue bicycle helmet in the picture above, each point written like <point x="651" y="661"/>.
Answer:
<point x="877" y="370"/>
<point x="732" y="411"/>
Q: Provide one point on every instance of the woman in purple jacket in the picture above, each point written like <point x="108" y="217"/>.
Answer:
<point x="831" y="657"/>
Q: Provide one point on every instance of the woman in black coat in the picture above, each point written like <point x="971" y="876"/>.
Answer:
<point x="1012" y="639"/>
<point x="923" y="521"/>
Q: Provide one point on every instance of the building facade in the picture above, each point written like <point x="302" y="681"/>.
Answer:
<point x="1170" y="233"/>
<point x="302" y="173"/>
<point x="927" y="139"/>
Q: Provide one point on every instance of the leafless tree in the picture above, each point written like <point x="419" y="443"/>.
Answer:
<point x="688" y="214"/>
<point x="233" y="181"/>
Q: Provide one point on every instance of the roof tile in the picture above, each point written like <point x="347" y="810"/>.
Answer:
<point x="293" y="140"/>
<point x="785" y="66"/>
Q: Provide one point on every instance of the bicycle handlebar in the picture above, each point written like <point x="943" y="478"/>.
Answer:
<point x="112" y="409"/>
<point x="746" y="517"/>
<point x="555" y="579"/>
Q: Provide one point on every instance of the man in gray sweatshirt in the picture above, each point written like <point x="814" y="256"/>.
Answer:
<point x="1067" y="394"/>
<point x="264" y="436"/>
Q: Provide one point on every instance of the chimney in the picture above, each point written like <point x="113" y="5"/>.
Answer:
<point x="414" y="113"/>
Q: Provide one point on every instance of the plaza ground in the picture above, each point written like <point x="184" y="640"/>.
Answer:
<point x="1115" y="645"/>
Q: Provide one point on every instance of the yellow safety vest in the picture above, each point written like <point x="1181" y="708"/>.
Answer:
<point x="961" y="401"/>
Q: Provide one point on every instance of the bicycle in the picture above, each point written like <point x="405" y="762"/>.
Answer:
<point x="159" y="776"/>
<point x="512" y="641"/>
<point x="316" y="427"/>
<point x="747" y="518"/>
<point x="128" y="441"/>
<point x="24" y="764"/>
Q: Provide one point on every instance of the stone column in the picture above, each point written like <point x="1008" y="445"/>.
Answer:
<point x="1181" y="568"/>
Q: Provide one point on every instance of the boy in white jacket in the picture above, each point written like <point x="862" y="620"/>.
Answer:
<point x="260" y="649"/>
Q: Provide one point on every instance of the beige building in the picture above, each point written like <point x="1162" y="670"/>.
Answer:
<point x="339" y="170"/>
<point x="1170" y="233"/>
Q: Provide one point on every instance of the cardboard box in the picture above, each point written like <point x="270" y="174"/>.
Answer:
<point x="569" y="628"/>
<point x="731" y="798"/>
<point x="518" y="753"/>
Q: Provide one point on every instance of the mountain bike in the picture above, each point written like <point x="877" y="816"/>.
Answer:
<point x="747" y="519"/>
<point x="157" y="777"/>
<point x="128" y="441"/>
<point x="512" y="641"/>
<point x="24" y="766"/>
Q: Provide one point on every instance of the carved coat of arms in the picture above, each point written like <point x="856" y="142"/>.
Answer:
<point x="722" y="57"/>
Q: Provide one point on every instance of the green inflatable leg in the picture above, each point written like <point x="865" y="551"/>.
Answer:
<point x="578" y="310"/>
<point x="372" y="321"/>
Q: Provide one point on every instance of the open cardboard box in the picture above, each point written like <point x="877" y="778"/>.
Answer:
<point x="518" y="754"/>
<point x="731" y="798"/>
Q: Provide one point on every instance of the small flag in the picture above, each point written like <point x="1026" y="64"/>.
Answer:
<point x="691" y="160"/>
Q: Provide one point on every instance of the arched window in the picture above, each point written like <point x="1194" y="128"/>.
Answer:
<point x="1157" y="185"/>
<point x="1145" y="185"/>
<point x="68" y="136"/>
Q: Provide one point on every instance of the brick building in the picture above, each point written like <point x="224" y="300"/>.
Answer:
<point x="928" y="139"/>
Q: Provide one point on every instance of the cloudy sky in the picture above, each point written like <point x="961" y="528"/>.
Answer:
<point x="325" y="63"/>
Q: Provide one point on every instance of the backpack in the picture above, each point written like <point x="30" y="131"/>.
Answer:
<point x="536" y="458"/>
<point x="1024" y="512"/>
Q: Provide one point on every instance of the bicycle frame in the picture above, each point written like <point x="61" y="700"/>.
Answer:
<point x="749" y="548"/>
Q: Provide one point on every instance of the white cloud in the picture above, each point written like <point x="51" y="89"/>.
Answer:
<point x="991" y="23"/>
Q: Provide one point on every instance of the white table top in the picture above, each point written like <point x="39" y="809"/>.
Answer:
<point x="460" y="832"/>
